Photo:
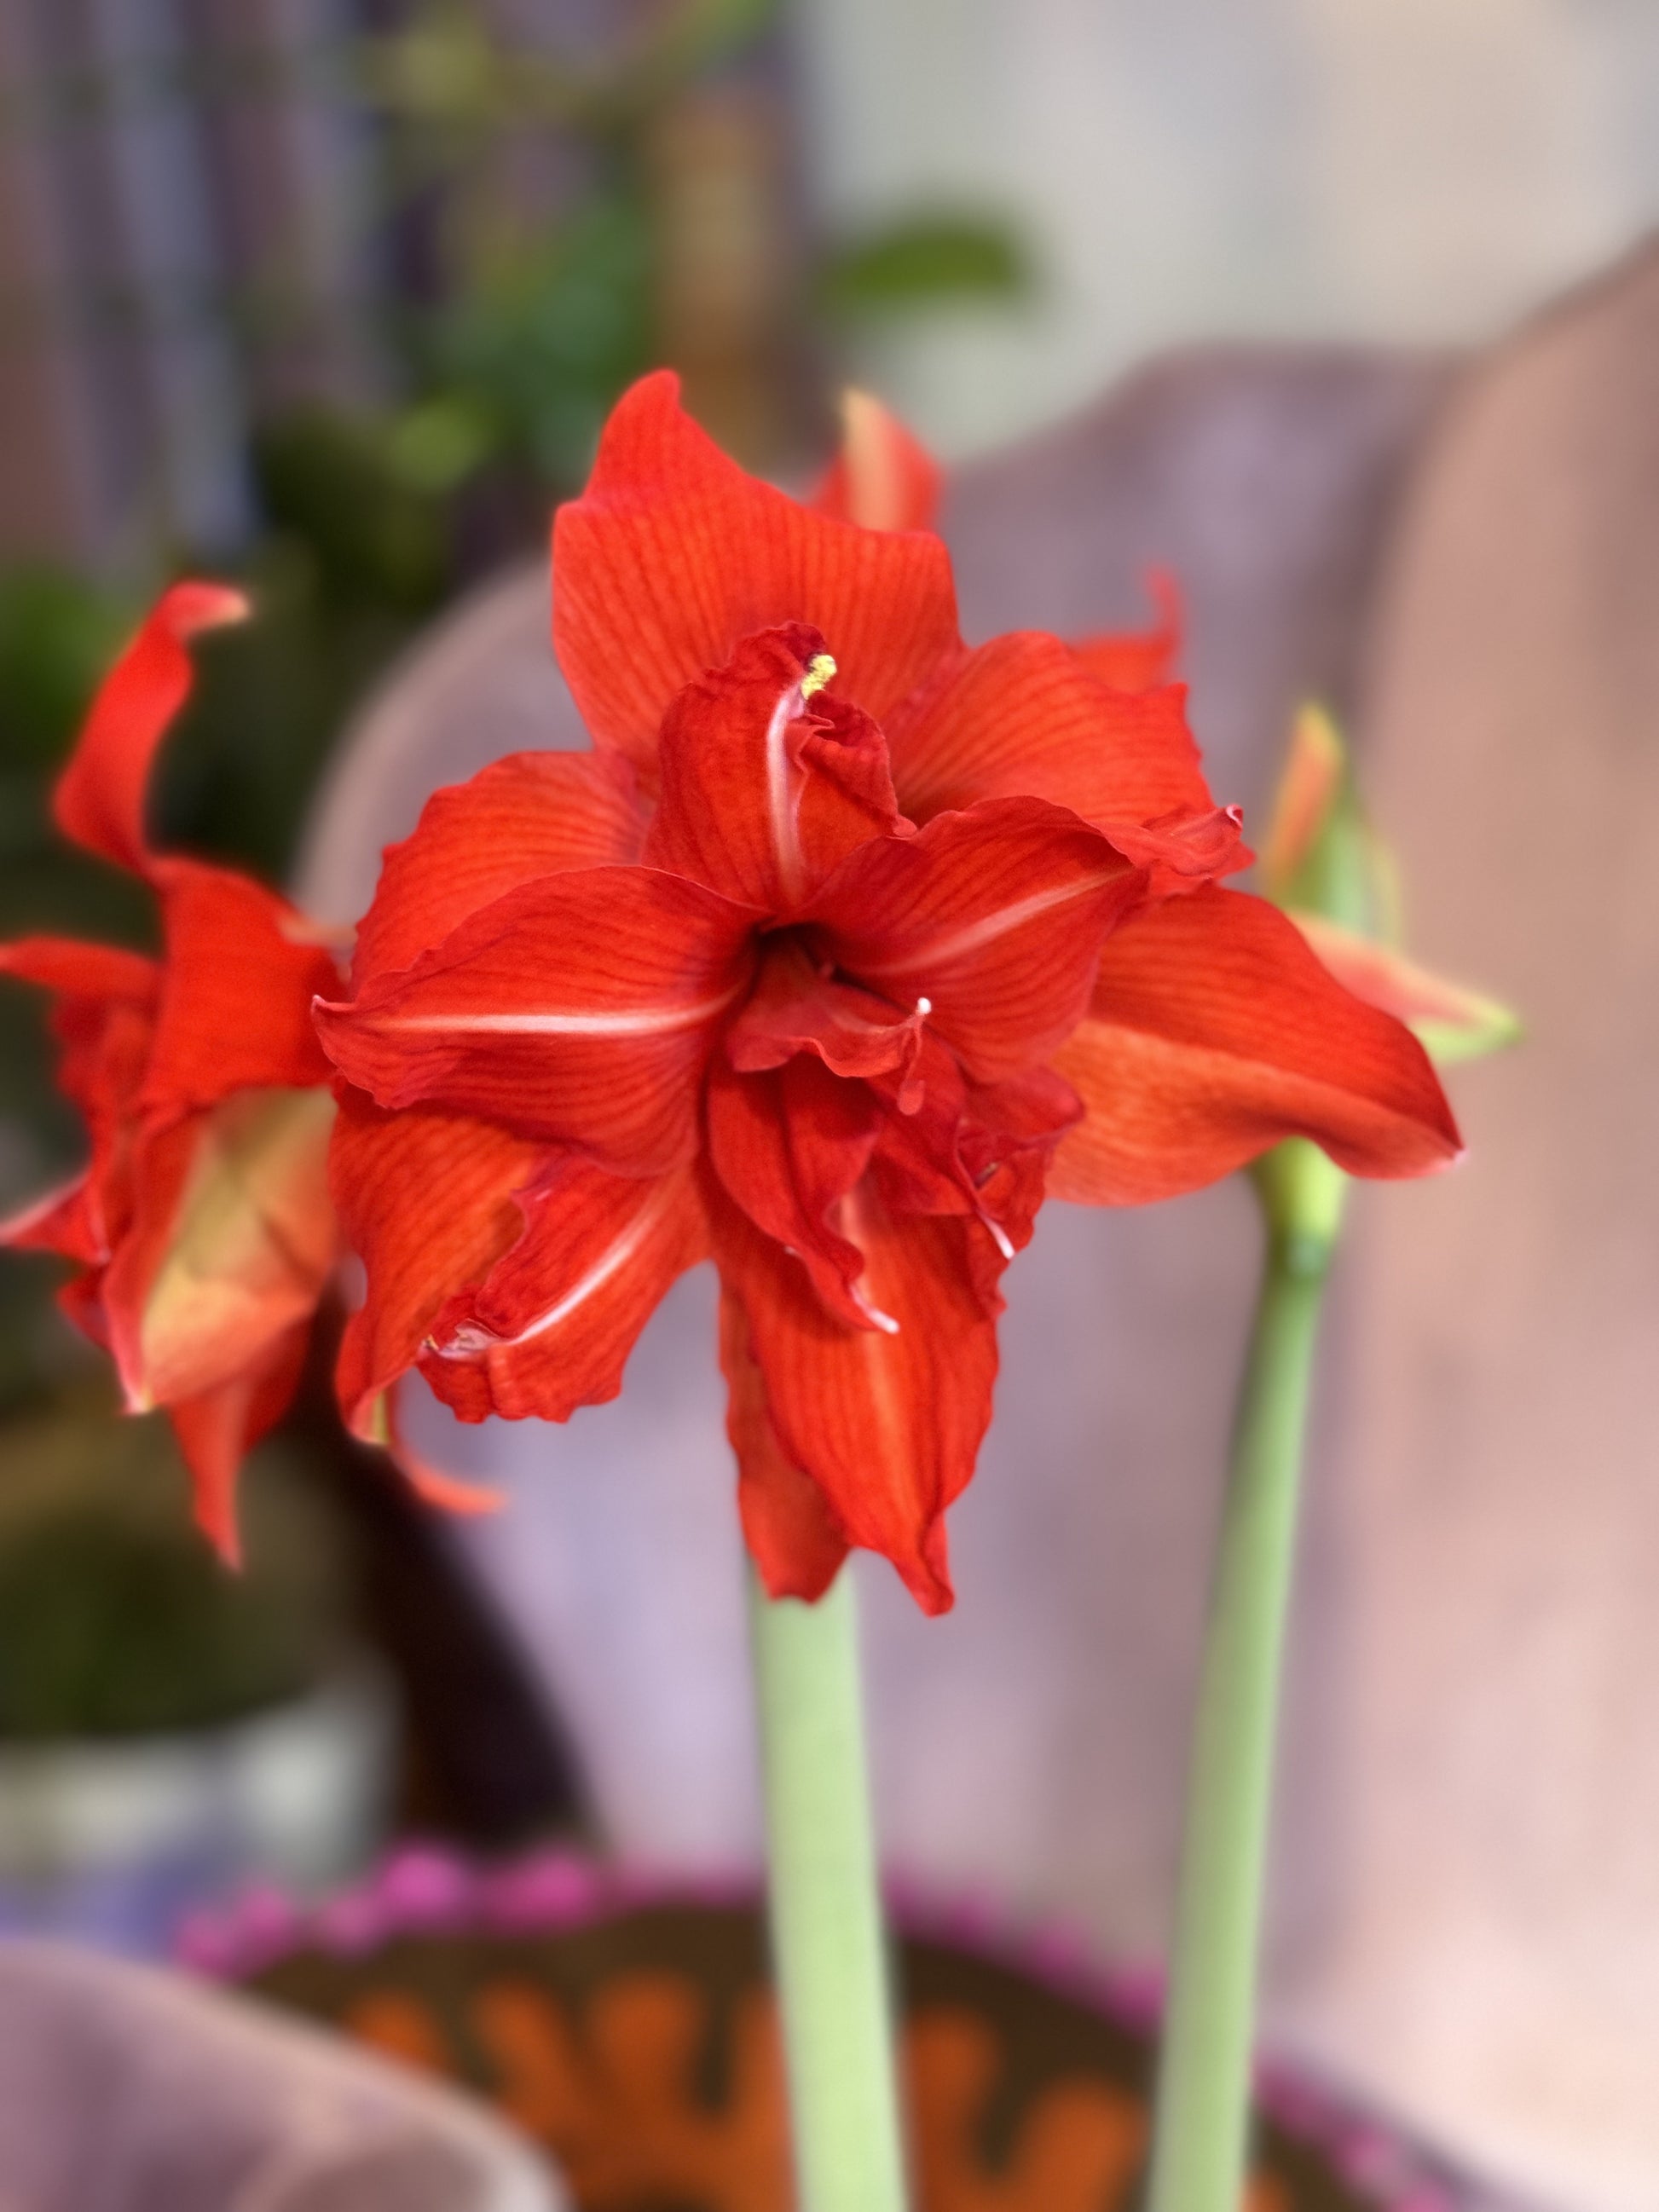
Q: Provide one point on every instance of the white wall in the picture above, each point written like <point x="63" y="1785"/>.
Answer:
<point x="1413" y="169"/>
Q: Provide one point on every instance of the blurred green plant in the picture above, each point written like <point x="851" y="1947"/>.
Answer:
<point x="523" y="365"/>
<point x="542" y="321"/>
<point x="116" y="1620"/>
<point x="919" y="261"/>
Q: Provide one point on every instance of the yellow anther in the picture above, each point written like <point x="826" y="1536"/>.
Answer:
<point x="819" y="670"/>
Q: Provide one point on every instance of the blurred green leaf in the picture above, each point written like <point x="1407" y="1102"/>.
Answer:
<point x="332" y="481"/>
<point x="116" y="1618"/>
<point x="439" y="442"/>
<point x="57" y="632"/>
<point x="923" y="260"/>
<point x="541" y="347"/>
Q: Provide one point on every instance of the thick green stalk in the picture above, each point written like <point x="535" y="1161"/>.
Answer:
<point x="1201" y="2136"/>
<point x="827" y="1936"/>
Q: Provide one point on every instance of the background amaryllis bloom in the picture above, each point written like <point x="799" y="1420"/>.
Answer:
<point x="884" y="477"/>
<point x="201" y="1224"/>
<point x="842" y="939"/>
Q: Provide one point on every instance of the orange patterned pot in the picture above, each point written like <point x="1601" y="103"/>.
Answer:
<point x="629" y="2028"/>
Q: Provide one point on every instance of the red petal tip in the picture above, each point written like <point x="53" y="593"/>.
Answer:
<point x="191" y="606"/>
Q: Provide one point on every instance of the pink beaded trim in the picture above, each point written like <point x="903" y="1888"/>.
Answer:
<point x="426" y="1889"/>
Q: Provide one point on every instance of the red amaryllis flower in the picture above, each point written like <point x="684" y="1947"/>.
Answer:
<point x="785" y="971"/>
<point x="201" y="1225"/>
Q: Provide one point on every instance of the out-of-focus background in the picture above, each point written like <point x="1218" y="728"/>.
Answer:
<point x="332" y="295"/>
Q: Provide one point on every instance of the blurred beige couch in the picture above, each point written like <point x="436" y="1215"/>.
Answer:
<point x="1464" y="556"/>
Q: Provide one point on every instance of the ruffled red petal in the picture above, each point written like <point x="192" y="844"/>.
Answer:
<point x="994" y="916"/>
<point x="530" y="815"/>
<point x="100" y="800"/>
<point x="886" y="1421"/>
<point x="672" y="554"/>
<point x="787" y="1146"/>
<point x="958" y="1147"/>
<point x="551" y="1325"/>
<point x="579" y="1009"/>
<point x="1212" y="1032"/>
<point x="1181" y="852"/>
<point x="767" y="780"/>
<point x="1023" y="715"/>
<point x="428" y="1201"/>
<point x="794" y="1007"/>
<point x="792" y="1535"/>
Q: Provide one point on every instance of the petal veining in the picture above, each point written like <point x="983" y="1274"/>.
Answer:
<point x="994" y="916"/>
<point x="1212" y="1032"/>
<point x="578" y="1009"/>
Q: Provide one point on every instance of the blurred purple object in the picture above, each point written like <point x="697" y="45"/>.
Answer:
<point x="134" y="2091"/>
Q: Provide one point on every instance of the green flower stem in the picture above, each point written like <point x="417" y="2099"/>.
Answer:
<point x="1200" y="2141"/>
<point x="827" y="1937"/>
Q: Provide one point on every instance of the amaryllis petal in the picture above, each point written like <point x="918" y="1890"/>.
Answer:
<point x="236" y="991"/>
<point x="882" y="477"/>
<point x="232" y="1239"/>
<point x="428" y="1201"/>
<point x="450" y="1493"/>
<point x="787" y="1146"/>
<point x="75" y="969"/>
<point x="766" y="781"/>
<point x="216" y="1431"/>
<point x="1022" y="715"/>
<point x="60" y="1220"/>
<point x="1452" y="1021"/>
<point x="530" y="815"/>
<point x="1137" y="661"/>
<point x="989" y="921"/>
<point x="794" y="1008"/>
<point x="672" y="554"/>
<point x="1213" y="1032"/>
<point x="551" y="1325"/>
<point x="1179" y="852"/>
<point x="947" y="1145"/>
<point x="104" y="1023"/>
<point x="578" y="1009"/>
<point x="887" y="1421"/>
<point x="100" y="800"/>
<point x="792" y="1535"/>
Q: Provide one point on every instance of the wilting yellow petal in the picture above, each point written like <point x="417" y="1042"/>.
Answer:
<point x="1313" y="776"/>
<point x="254" y="1238"/>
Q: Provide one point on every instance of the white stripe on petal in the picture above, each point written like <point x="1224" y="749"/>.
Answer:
<point x="977" y="934"/>
<point x="613" y="1022"/>
<point x="472" y="1340"/>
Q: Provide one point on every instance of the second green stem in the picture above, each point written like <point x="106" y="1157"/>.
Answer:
<point x="1201" y="2133"/>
